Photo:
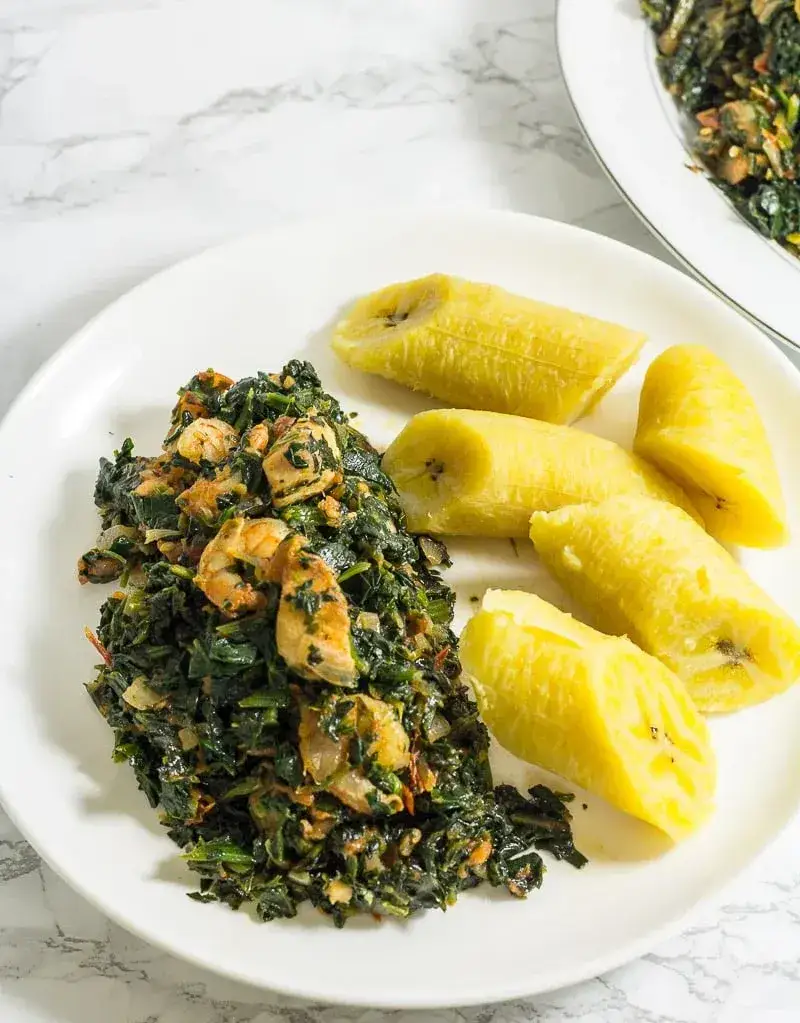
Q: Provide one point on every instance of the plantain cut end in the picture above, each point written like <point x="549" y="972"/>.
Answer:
<point x="384" y="315"/>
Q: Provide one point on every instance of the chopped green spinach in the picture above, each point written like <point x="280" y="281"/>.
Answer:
<point x="213" y="721"/>
<point x="734" y="66"/>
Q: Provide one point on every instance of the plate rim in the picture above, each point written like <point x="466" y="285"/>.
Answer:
<point x="561" y="31"/>
<point x="555" y="980"/>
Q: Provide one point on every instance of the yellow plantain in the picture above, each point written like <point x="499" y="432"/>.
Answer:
<point x="594" y="709"/>
<point x="478" y="346"/>
<point x="482" y="473"/>
<point x="699" y="424"/>
<point x="646" y="570"/>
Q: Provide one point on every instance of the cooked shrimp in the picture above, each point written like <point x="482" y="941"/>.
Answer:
<point x="303" y="461"/>
<point x="159" y="476"/>
<point x="207" y="440"/>
<point x="313" y="626"/>
<point x="200" y="500"/>
<point x="251" y="541"/>
<point x="195" y="401"/>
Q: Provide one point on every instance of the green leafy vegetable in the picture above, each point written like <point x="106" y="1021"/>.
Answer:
<point x="734" y="65"/>
<point x="280" y="788"/>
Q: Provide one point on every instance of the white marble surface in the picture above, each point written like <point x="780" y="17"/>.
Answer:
<point x="134" y="132"/>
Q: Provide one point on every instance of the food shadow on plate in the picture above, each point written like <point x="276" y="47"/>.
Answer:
<point x="481" y="564"/>
<point x="602" y="833"/>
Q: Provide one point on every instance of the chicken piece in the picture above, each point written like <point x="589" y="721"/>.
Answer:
<point x="303" y="461"/>
<point x="140" y="696"/>
<point x="281" y="425"/>
<point x="209" y="380"/>
<point x="358" y="792"/>
<point x="313" y="626"/>
<point x="338" y="891"/>
<point x="189" y="404"/>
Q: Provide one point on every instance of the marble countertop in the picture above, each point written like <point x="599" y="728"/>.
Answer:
<point x="135" y="132"/>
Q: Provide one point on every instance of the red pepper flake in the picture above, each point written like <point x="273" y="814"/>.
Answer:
<point x="408" y="799"/>
<point x="98" y="646"/>
<point x="440" y="658"/>
<point x="760" y="63"/>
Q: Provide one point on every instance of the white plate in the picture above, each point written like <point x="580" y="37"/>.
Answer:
<point x="254" y="304"/>
<point x="608" y="58"/>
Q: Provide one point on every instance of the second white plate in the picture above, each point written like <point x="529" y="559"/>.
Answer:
<point x="608" y="58"/>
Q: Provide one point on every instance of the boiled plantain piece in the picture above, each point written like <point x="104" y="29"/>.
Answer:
<point x="472" y="473"/>
<point x="699" y="425"/>
<point x="644" y="569"/>
<point x="594" y="709"/>
<point x="478" y="346"/>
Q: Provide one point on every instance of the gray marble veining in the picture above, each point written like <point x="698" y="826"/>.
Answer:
<point x="134" y="132"/>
